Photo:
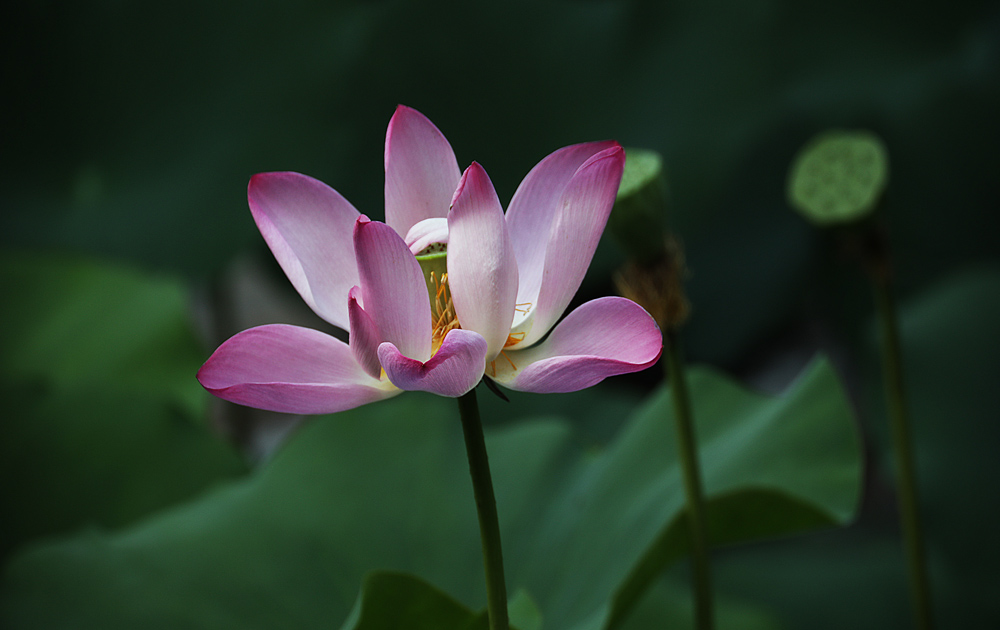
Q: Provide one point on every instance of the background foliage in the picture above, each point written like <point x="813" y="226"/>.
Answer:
<point x="133" y="128"/>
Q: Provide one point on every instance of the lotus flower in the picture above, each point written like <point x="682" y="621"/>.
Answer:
<point x="448" y="290"/>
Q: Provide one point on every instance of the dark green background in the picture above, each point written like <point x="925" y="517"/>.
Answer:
<point x="131" y="129"/>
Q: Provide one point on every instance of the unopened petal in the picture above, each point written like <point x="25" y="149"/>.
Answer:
<point x="604" y="337"/>
<point x="291" y="370"/>
<point x="421" y="171"/>
<point x="482" y="271"/>
<point x="425" y="233"/>
<point x="308" y="227"/>
<point x="579" y="216"/>
<point x="455" y="369"/>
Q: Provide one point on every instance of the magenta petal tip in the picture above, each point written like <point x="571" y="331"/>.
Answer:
<point x="455" y="369"/>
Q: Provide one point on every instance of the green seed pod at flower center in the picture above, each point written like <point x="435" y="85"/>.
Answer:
<point x="433" y="261"/>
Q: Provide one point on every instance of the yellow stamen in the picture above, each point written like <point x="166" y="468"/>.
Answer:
<point x="493" y="364"/>
<point x="513" y="339"/>
<point x="443" y="318"/>
<point x="504" y="355"/>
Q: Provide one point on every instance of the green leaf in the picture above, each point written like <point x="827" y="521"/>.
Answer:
<point x="103" y="415"/>
<point x="770" y="466"/>
<point x="668" y="605"/>
<point x="523" y="612"/>
<point x="950" y="344"/>
<point x="78" y="324"/>
<point x="387" y="487"/>
<point x="388" y="601"/>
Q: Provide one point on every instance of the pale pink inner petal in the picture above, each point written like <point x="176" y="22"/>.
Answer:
<point x="393" y="290"/>
<point x="291" y="370"/>
<point x="427" y="232"/>
<point x="533" y="210"/>
<point x="581" y="214"/>
<point x="308" y="227"/>
<point x="453" y="370"/>
<point x="482" y="272"/>
<point x="601" y="338"/>
<point x="421" y="171"/>
<point x="364" y="337"/>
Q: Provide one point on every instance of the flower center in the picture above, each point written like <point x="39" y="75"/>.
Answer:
<point x="433" y="261"/>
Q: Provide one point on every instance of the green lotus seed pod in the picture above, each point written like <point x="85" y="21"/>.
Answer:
<point x="838" y="177"/>
<point x="637" y="220"/>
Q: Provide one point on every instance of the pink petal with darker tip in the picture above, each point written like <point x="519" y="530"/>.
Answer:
<point x="584" y="207"/>
<point x="393" y="290"/>
<point x="307" y="225"/>
<point x="482" y="272"/>
<point x="291" y="370"/>
<point x="604" y="337"/>
<point x="454" y="370"/>
<point x="421" y="171"/>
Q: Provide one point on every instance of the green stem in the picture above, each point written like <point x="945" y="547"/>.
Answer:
<point x="892" y="370"/>
<point x="489" y="526"/>
<point x="695" y="512"/>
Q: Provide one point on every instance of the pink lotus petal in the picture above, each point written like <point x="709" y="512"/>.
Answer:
<point x="291" y="370"/>
<point x="455" y="369"/>
<point x="581" y="213"/>
<point x="364" y="336"/>
<point x="601" y="338"/>
<point x="426" y="232"/>
<point x="534" y="208"/>
<point x="421" y="171"/>
<point x="482" y="272"/>
<point x="393" y="289"/>
<point x="307" y="225"/>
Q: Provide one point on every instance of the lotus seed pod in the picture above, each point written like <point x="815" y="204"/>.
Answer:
<point x="638" y="218"/>
<point x="838" y="177"/>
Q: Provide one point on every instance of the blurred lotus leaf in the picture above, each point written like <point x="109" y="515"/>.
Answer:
<point x="104" y="421"/>
<point x="387" y="487"/>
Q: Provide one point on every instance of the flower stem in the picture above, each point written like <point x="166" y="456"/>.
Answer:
<point x="489" y="526"/>
<point x="892" y="374"/>
<point x="695" y="508"/>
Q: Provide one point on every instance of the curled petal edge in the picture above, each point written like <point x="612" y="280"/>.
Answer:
<point x="455" y="369"/>
<point x="364" y="335"/>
